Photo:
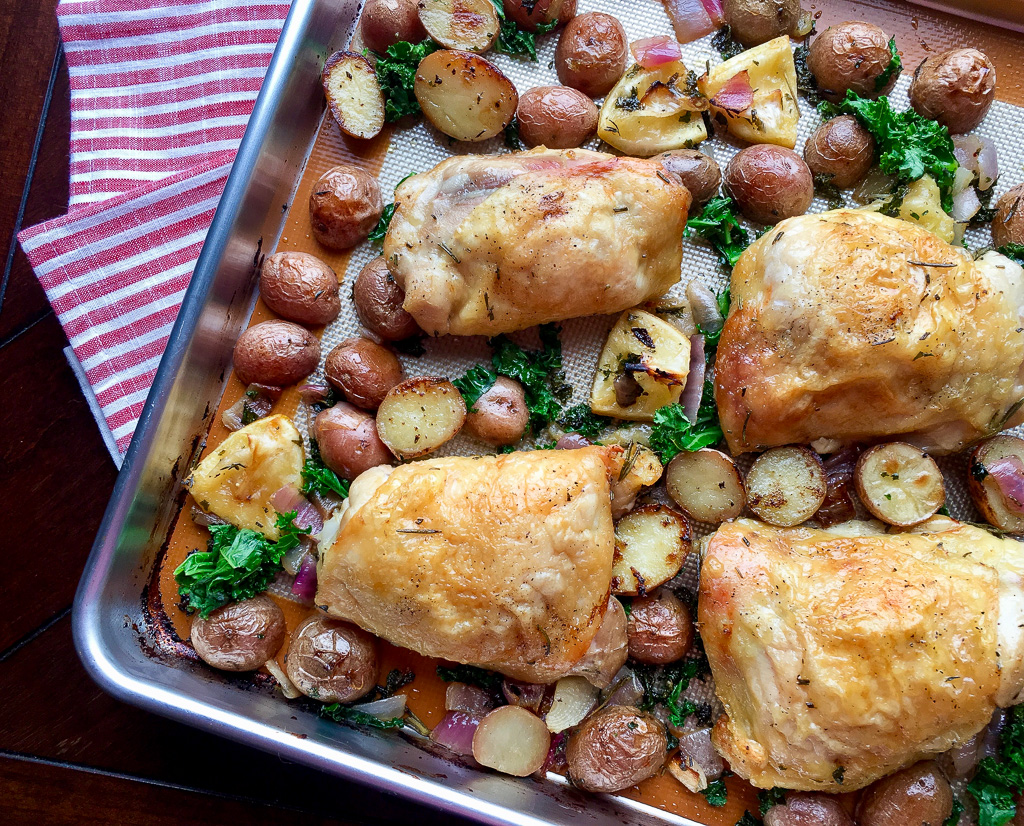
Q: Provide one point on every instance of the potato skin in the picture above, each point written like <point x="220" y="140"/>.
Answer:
<point x="240" y="636"/>
<point x="803" y="809"/>
<point x="769" y="183"/>
<point x="379" y="299"/>
<point x="557" y="117"/>
<point x="348" y="440"/>
<point x="363" y="370"/>
<point x="754" y="22"/>
<point x="331" y="661"/>
<point x="591" y="54"/>
<point x="842" y="149"/>
<point x="616" y="748"/>
<point x="344" y="207"/>
<point x="919" y="794"/>
<point x="386" y="22"/>
<point x="850" y="56"/>
<point x="301" y="288"/>
<point x="956" y="88"/>
<point x="659" y="628"/>
<point x="500" y="415"/>
<point x="699" y="173"/>
<point x="278" y="353"/>
<point x="1008" y="225"/>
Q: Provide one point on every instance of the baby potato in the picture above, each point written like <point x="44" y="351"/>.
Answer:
<point x="651" y="545"/>
<point x="591" y="54"/>
<point x="348" y="440"/>
<point x="529" y="14"/>
<point x="706" y="484"/>
<point x="616" y="748"/>
<point x="332" y="661"/>
<point x="363" y="370"/>
<point x="379" y="299"/>
<point x="240" y="636"/>
<point x="842" y="149"/>
<point x="300" y="287"/>
<point x="1008" y="225"/>
<point x="278" y="353"/>
<point x="956" y="88"/>
<point x="557" y="117"/>
<point x="419" y="415"/>
<point x="500" y="415"/>
<point x="386" y="22"/>
<point x="463" y="95"/>
<point x="803" y="809"/>
<point x="852" y="55"/>
<point x="754" y="22"/>
<point x="344" y="207"/>
<point x="899" y="483"/>
<point x="769" y="183"/>
<point x="920" y="794"/>
<point x="786" y="485"/>
<point x="353" y="94"/>
<point x="659" y="628"/>
<point x="699" y="173"/>
<point x="471" y="25"/>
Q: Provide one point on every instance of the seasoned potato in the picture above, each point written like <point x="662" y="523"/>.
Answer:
<point x="591" y="53"/>
<point x="278" y="353"/>
<point x="353" y="94"/>
<point x="770" y="183"/>
<point x="754" y="93"/>
<point x="651" y="545"/>
<point x="240" y="636"/>
<point x="899" y="483"/>
<point x="786" y="485"/>
<point x="855" y="56"/>
<point x="331" y="661"/>
<point x="802" y="809"/>
<point x="471" y="25"/>
<point x="500" y="415"/>
<point x="660" y="628"/>
<point x="956" y="88"/>
<point x="363" y="370"/>
<point x="616" y="748"/>
<point x="647" y="112"/>
<point x="1008" y="225"/>
<point x="511" y="740"/>
<point x="699" y="173"/>
<point x="649" y="354"/>
<point x="641" y="469"/>
<point x="348" y="440"/>
<point x="706" y="484"/>
<point x="464" y="96"/>
<point x="419" y="415"/>
<point x="756" y="21"/>
<point x="557" y="117"/>
<point x="344" y="207"/>
<point x="300" y="287"/>
<point x="919" y="794"/>
<point x="236" y="480"/>
<point x="529" y="14"/>
<point x="379" y="299"/>
<point x="996" y="481"/>
<point x="841" y="149"/>
<point x="386" y="22"/>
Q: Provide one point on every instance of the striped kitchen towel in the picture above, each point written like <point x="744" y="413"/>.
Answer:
<point x="160" y="95"/>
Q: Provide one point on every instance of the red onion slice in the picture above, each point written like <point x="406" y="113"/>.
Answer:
<point x="988" y="164"/>
<point x="966" y="149"/>
<point x="694" y="387"/>
<point x="690" y="19"/>
<point x="201" y="517"/>
<point x="469" y="698"/>
<point x="737" y="95"/>
<point x="314" y="393"/>
<point x="288" y="499"/>
<point x="304" y="586"/>
<point x="525" y="695"/>
<point x="572" y="441"/>
<point x="627" y="689"/>
<point x="651" y="52"/>
<point x="697" y="746"/>
<point x="965" y="205"/>
<point x="1008" y="473"/>
<point x="387" y="708"/>
<point x="714" y="11"/>
<point x="555" y="761"/>
<point x="455" y="732"/>
<point x="838" y="505"/>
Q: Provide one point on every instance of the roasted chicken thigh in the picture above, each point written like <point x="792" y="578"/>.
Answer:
<point x="488" y="244"/>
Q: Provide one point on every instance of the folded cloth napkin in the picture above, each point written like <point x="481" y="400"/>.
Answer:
<point x="160" y="95"/>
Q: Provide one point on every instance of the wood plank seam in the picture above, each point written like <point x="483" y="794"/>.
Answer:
<point x="42" y="629"/>
<point x="26" y="327"/>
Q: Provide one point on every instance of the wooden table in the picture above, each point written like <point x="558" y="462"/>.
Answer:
<point x="68" y="752"/>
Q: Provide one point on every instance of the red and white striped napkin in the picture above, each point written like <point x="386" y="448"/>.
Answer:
<point x="160" y="95"/>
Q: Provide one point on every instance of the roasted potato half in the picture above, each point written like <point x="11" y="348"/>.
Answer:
<point x="419" y="415"/>
<point x="651" y="545"/>
<point x="464" y="96"/>
<point x="470" y="25"/>
<point x="707" y="485"/>
<point x="899" y="483"/>
<point x="786" y="485"/>
<point x="353" y="94"/>
<point x="512" y="740"/>
<point x="996" y="481"/>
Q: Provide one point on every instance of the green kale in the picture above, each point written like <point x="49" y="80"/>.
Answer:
<point x="396" y="74"/>
<point x="347" y="714"/>
<point x="580" y="419"/>
<point x="396" y="680"/>
<point x="954" y="817"/>
<point x="716" y="794"/>
<point x="723" y="41"/>
<point x="237" y="565"/>
<point x="513" y="40"/>
<point x="748" y="820"/>
<point x="472" y="675"/>
<point x="766" y="798"/>
<point x="825" y="188"/>
<point x="1014" y="251"/>
<point x="664" y="684"/>
<point x="477" y="381"/>
<point x="377" y="236"/>
<point x="673" y="433"/>
<point x="318" y="478"/>
<point x="987" y="213"/>
<point x="806" y="83"/>
<point x="719" y="225"/>
<point x="998" y="781"/>
<point x="538" y="371"/>
<point x="892" y="70"/>
<point x="512" y="140"/>
<point x="712" y="337"/>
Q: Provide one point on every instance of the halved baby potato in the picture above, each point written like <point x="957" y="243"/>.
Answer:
<point x="353" y="94"/>
<point x="650" y="111"/>
<point x="463" y="95"/>
<point x="651" y="545"/>
<point x="996" y="481"/>
<point x="419" y="415"/>
<point x="786" y="485"/>
<point x="899" y="483"/>
<point x="472" y="25"/>
<point x="706" y="484"/>
<point x="237" y="479"/>
<point x="760" y="107"/>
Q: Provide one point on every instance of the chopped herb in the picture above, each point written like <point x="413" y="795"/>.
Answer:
<point x="943" y="511"/>
<point x="987" y="213"/>
<point x="539" y="372"/>
<point x="922" y="355"/>
<point x="471" y="675"/>
<point x="806" y="83"/>
<point x="580" y="419"/>
<point x="954" y="817"/>
<point x="673" y="432"/>
<point x="892" y="70"/>
<point x="630" y="102"/>
<point x="318" y="478"/>
<point x="718" y="224"/>
<point x="512" y="140"/>
<point x="347" y="714"/>
<point x="396" y="74"/>
<point x="1014" y="251"/>
<point x="748" y="820"/>
<point x="825" y="188"/>
<point x="477" y="381"/>
<point x="766" y="798"/>
<point x="716" y="794"/>
<point x="237" y="565"/>
<point x="999" y="780"/>
<point x="723" y="41"/>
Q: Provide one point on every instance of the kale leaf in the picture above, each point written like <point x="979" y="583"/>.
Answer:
<point x="377" y="236"/>
<point x="471" y="675"/>
<point x="806" y="82"/>
<point x="766" y="798"/>
<point x="512" y="139"/>
<point x="237" y="565"/>
<point x="664" y="685"/>
<point x="513" y="40"/>
<point x="716" y="793"/>
<point x="712" y="337"/>
<point x="748" y="820"/>
<point x="318" y="478"/>
<point x="347" y="714"/>
<point x="824" y="187"/>
<point x="476" y="381"/>
<point x="538" y="371"/>
<point x="954" y="816"/>
<point x="893" y="69"/>
<point x="396" y="74"/>
<point x="719" y="225"/>
<point x="673" y="433"/>
<point x="998" y="781"/>
<point x="580" y="419"/>
<point x="1014" y="251"/>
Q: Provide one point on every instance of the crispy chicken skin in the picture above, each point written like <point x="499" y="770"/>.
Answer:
<point x="854" y="326"/>
<point x="499" y="561"/>
<point x="488" y="244"/>
<point x="843" y="655"/>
